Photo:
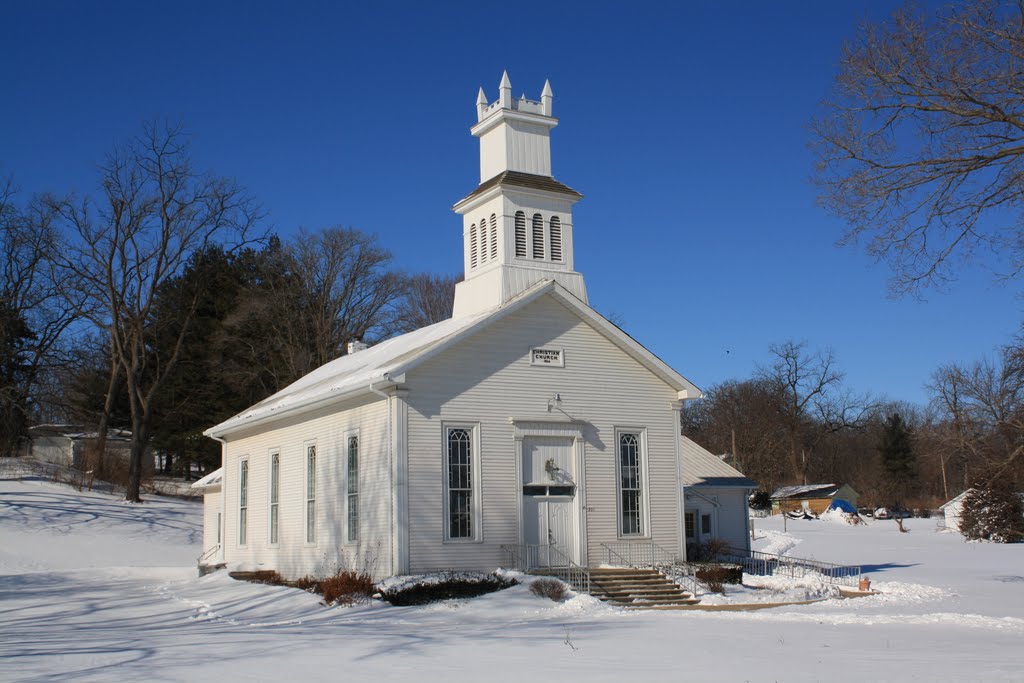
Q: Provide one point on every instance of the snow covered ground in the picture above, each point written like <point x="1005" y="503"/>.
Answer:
<point x="93" y="589"/>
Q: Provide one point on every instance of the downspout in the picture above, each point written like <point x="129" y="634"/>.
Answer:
<point x="386" y="377"/>
<point x="223" y="531"/>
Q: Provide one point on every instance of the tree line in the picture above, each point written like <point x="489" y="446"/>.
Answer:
<point x="161" y="305"/>
<point x="795" y="422"/>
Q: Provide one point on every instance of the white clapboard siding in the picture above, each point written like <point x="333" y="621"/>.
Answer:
<point x="487" y="379"/>
<point x="211" y="508"/>
<point x="292" y="557"/>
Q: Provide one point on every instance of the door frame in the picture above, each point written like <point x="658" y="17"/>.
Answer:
<point x="555" y="428"/>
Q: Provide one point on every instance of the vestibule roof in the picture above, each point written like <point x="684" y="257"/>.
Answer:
<point x="701" y="467"/>
<point x="386" y="363"/>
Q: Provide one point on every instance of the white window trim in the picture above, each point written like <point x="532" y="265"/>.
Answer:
<point x="645" y="510"/>
<point x="242" y="535"/>
<point x="270" y="486"/>
<point x="345" y="437"/>
<point x="477" y="507"/>
<point x="316" y="494"/>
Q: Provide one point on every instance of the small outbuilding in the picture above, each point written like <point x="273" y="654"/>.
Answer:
<point x="68" y="445"/>
<point x="213" y="520"/>
<point x="814" y="498"/>
<point x="715" y="499"/>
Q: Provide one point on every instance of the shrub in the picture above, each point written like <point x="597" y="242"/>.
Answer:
<point x="714" y="575"/>
<point x="760" y="500"/>
<point x="709" y="551"/>
<point x="552" y="589"/>
<point x="993" y="511"/>
<point x="343" y="588"/>
<point x="449" y="587"/>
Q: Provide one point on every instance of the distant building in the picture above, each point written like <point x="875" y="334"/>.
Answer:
<point x="953" y="509"/>
<point x="814" y="498"/>
<point x="68" y="445"/>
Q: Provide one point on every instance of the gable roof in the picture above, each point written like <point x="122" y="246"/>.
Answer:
<point x="701" y="467"/>
<point x="386" y="363"/>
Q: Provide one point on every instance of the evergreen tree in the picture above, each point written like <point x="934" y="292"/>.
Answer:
<point x="899" y="462"/>
<point x="993" y="511"/>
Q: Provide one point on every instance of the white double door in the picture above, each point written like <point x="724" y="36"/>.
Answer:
<point x="549" y="501"/>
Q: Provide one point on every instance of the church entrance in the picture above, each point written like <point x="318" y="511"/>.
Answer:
<point x="549" y="501"/>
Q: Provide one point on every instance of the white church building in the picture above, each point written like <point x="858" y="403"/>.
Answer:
<point x="527" y="423"/>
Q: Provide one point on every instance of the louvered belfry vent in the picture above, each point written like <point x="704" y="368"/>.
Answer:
<point x="556" y="239"/>
<point x="520" y="234"/>
<point x="472" y="246"/>
<point x="538" y="236"/>
<point x="494" y="237"/>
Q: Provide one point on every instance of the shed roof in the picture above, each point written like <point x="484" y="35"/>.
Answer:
<point x="210" y="481"/>
<point x="701" y="467"/>
<point x="806" y="491"/>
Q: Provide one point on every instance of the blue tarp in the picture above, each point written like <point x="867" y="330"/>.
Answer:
<point x="842" y="506"/>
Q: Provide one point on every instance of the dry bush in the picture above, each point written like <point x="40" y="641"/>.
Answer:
<point x="715" y="576"/>
<point x="343" y="588"/>
<point x="552" y="589"/>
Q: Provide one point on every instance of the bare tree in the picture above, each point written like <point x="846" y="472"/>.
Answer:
<point x="154" y="212"/>
<point x="804" y="381"/>
<point x="348" y="291"/>
<point x="427" y="299"/>
<point x="38" y="304"/>
<point x="921" y="144"/>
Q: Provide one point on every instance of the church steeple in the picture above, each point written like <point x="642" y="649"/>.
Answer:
<point x="517" y="225"/>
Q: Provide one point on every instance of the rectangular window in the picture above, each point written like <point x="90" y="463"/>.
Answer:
<point x="311" y="494"/>
<point x="630" y="485"/>
<point x="275" y="482"/>
<point x="353" y="489"/>
<point x="243" y="501"/>
<point x="690" y="527"/>
<point x="218" y="528"/>
<point x="459" y="480"/>
<point x="705" y="525"/>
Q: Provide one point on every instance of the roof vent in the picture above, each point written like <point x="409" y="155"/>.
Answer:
<point x="354" y="346"/>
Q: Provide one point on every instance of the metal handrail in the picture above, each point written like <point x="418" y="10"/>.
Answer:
<point x="650" y="554"/>
<point x="527" y="557"/>
<point x="640" y="554"/>
<point x="764" y="564"/>
<point x="208" y="553"/>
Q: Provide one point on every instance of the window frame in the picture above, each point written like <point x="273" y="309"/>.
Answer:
<point x="244" y="475"/>
<point x="642" y="481"/>
<point x="475" y="506"/>
<point x="274" y="499"/>
<point x="310" y="525"/>
<point x="349" y="494"/>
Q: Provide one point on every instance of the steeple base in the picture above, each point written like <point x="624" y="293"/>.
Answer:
<point x="500" y="284"/>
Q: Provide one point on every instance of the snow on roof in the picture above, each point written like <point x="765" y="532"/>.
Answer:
<point x="211" y="480"/>
<point x="353" y="371"/>
<point x="76" y="431"/>
<point x="804" y="490"/>
<point x="703" y="468"/>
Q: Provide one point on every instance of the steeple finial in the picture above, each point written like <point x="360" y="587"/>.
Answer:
<point x="481" y="105"/>
<point x="505" y="91"/>
<point x="546" y="99"/>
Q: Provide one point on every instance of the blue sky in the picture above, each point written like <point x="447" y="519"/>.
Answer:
<point x="683" y="124"/>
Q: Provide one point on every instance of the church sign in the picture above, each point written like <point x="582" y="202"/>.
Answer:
<point x="552" y="357"/>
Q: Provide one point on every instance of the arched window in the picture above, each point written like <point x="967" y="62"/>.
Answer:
<point x="472" y="246"/>
<point x="520" y="234"/>
<point x="556" y="239"/>
<point x="494" y="237"/>
<point x="538" y="236"/>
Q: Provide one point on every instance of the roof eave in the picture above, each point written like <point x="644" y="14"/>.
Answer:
<point x="384" y="381"/>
